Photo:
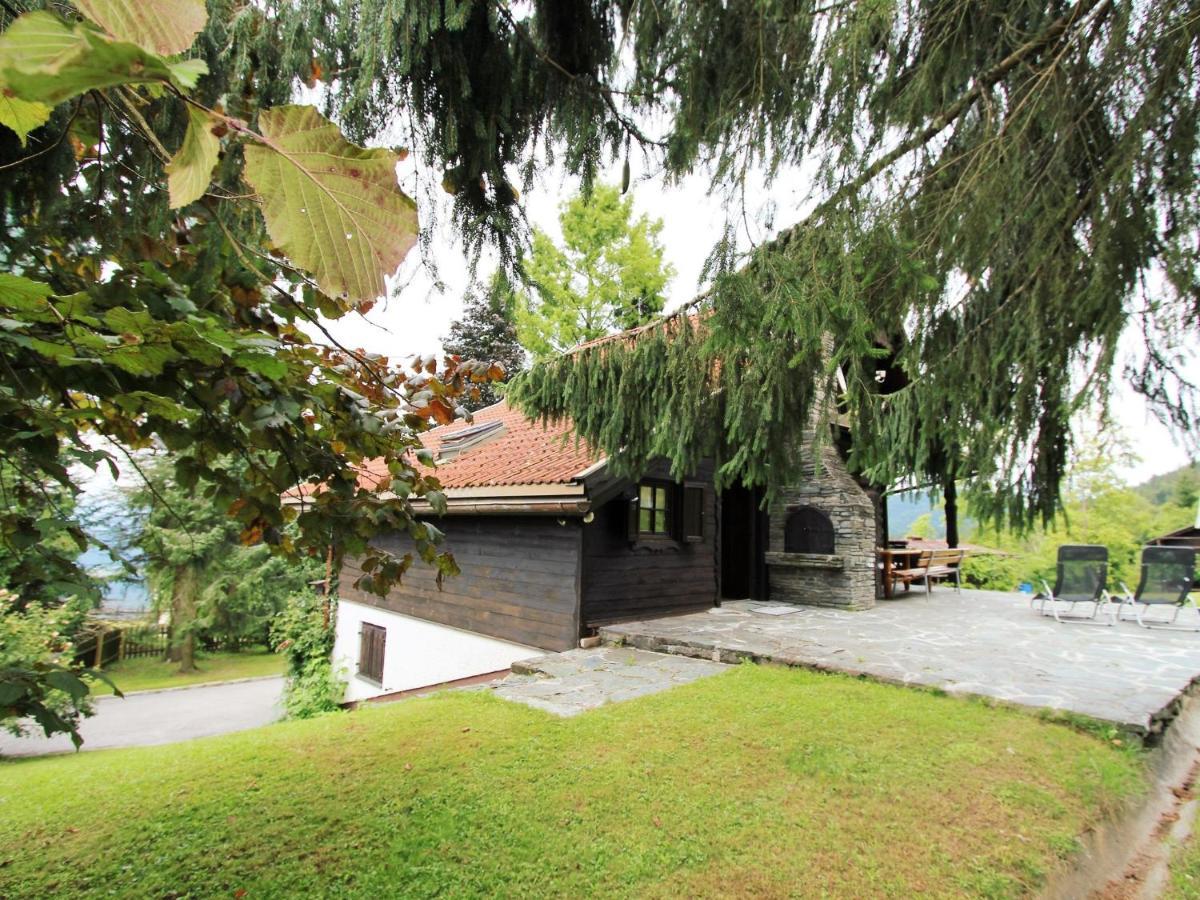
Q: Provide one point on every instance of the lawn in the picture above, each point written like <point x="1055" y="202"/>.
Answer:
<point x="1184" y="881"/>
<point x="150" y="673"/>
<point x="761" y="781"/>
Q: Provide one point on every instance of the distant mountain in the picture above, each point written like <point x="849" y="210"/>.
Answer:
<point x="904" y="509"/>
<point x="106" y="516"/>
<point x="1181" y="486"/>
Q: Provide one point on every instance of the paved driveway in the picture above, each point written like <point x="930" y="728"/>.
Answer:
<point x="164" y="717"/>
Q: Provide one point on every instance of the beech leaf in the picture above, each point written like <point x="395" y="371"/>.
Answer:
<point x="45" y="60"/>
<point x="22" y="116"/>
<point x="164" y="26"/>
<point x="334" y="208"/>
<point x="187" y="72"/>
<point x="18" y="292"/>
<point x="38" y="41"/>
<point x="190" y="169"/>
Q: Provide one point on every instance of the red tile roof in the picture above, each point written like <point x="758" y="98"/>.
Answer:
<point x="525" y="452"/>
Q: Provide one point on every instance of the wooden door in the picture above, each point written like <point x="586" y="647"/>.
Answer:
<point x="743" y="537"/>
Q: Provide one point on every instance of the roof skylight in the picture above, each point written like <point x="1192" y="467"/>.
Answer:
<point x="454" y="444"/>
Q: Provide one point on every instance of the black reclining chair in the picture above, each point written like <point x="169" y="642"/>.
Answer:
<point x="1167" y="577"/>
<point x="1081" y="577"/>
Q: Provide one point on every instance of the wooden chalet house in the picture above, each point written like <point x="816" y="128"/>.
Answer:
<point x="551" y="546"/>
<point x="1184" y="537"/>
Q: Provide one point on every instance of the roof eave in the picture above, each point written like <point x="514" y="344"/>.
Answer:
<point x="522" y="506"/>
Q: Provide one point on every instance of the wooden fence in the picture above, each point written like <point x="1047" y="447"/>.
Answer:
<point x="105" y="645"/>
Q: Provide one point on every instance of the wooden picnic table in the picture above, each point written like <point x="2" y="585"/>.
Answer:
<point x="888" y="555"/>
<point x="916" y="563"/>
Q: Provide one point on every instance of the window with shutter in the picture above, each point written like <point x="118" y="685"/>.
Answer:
<point x="654" y="509"/>
<point x="372" y="639"/>
<point x="693" y="512"/>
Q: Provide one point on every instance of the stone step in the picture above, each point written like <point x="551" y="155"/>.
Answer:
<point x="578" y="680"/>
<point x="532" y="666"/>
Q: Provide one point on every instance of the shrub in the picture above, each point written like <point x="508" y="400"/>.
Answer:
<point x="247" y="589"/>
<point x="37" y="680"/>
<point x="302" y="634"/>
<point x="994" y="572"/>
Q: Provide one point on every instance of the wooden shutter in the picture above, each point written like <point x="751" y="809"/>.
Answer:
<point x="693" y="512"/>
<point x="372" y="639"/>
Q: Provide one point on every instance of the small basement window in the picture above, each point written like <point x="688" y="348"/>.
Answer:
<point x="654" y="508"/>
<point x="371" y="641"/>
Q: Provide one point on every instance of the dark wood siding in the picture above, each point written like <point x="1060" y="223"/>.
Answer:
<point x="519" y="581"/>
<point x="625" y="580"/>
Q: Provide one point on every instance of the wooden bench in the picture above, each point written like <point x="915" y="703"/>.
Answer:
<point x="931" y="564"/>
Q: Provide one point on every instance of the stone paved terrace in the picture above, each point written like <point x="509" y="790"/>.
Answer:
<point x="573" y="682"/>
<point x="983" y="643"/>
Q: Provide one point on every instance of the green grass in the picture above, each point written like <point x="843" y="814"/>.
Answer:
<point x="150" y="673"/>
<point x="1184" y="883"/>
<point x="761" y="781"/>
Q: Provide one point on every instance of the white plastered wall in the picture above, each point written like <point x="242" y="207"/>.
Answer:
<point x="417" y="653"/>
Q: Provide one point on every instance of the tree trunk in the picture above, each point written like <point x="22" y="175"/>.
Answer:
<point x="328" y="586"/>
<point x="950" y="493"/>
<point x="183" y="615"/>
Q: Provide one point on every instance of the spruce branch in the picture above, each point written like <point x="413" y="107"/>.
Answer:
<point x="587" y="82"/>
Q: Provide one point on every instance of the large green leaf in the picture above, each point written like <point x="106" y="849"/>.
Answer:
<point x="21" y="116"/>
<point x="38" y="41"/>
<point x="261" y="364"/>
<point x="45" y="60"/>
<point x="18" y="292"/>
<point x="335" y="208"/>
<point x="186" y="72"/>
<point x="68" y="682"/>
<point x="141" y="359"/>
<point x="160" y="26"/>
<point x="154" y="404"/>
<point x="190" y="170"/>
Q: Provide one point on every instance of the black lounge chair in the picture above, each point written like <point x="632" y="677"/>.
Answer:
<point x="1082" y="575"/>
<point x="1167" y="574"/>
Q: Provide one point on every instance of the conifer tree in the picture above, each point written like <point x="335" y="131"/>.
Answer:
<point x="1003" y="189"/>
<point x="182" y="541"/>
<point x="213" y="586"/>
<point x="486" y="332"/>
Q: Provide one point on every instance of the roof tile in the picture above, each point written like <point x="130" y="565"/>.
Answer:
<point x="525" y="452"/>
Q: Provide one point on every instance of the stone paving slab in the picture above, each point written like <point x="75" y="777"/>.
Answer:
<point x="573" y="682"/>
<point x="984" y="643"/>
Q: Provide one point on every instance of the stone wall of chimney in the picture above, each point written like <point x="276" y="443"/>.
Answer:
<point x="848" y="578"/>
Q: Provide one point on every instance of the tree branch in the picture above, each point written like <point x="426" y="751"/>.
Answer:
<point x="604" y="91"/>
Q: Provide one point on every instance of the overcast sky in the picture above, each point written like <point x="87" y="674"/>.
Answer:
<point x="415" y="320"/>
